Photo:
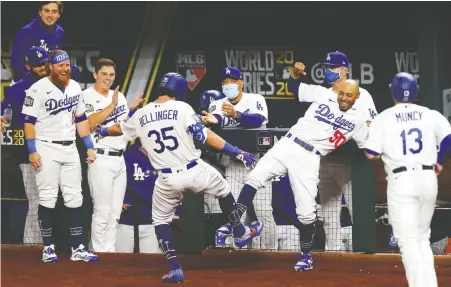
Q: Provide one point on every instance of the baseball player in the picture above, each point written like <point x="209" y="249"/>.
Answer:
<point x="329" y="122"/>
<point x="137" y="207"/>
<point x="335" y="169"/>
<point x="107" y="175"/>
<point x="406" y="137"/>
<point x="53" y="107"/>
<point x="167" y="128"/>
<point x="15" y="147"/>
<point x="240" y="109"/>
<point x="41" y="32"/>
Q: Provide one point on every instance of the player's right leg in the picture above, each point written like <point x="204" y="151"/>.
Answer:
<point x="148" y="242"/>
<point x="47" y="179"/>
<point x="101" y="178"/>
<point x="125" y="239"/>
<point x="31" y="233"/>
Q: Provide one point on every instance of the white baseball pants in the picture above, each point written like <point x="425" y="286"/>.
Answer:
<point x="125" y="239"/>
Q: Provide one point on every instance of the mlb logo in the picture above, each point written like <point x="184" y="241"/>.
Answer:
<point x="192" y="66"/>
<point x="264" y="140"/>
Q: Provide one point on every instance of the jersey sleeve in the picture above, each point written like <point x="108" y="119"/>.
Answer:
<point x="371" y="111"/>
<point x="215" y="108"/>
<point x="442" y="127"/>
<point x="89" y="105"/>
<point x="81" y="108"/>
<point x="261" y="107"/>
<point x="190" y="117"/>
<point x="129" y="128"/>
<point x="374" y="144"/>
<point x="31" y="103"/>
<point x="313" y="93"/>
<point x="360" y="135"/>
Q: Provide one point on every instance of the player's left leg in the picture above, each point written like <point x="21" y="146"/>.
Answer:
<point x="70" y="182"/>
<point x="125" y="239"/>
<point x="117" y="198"/>
<point x="303" y="172"/>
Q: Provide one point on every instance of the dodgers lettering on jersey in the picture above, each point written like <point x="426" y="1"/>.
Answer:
<point x="54" y="110"/>
<point x="324" y="125"/>
<point x="163" y="130"/>
<point x="407" y="135"/>
<point x="95" y="102"/>
<point x="249" y="103"/>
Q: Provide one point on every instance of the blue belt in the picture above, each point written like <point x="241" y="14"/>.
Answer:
<point x="303" y="144"/>
<point x="188" y="166"/>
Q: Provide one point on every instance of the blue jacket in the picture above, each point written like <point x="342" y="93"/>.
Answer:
<point x="36" y="34"/>
<point x="14" y="138"/>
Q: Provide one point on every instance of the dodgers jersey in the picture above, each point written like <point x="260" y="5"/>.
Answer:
<point x="249" y="104"/>
<point x="54" y="109"/>
<point x="163" y="130"/>
<point x="95" y="102"/>
<point x="324" y="125"/>
<point x="407" y="135"/>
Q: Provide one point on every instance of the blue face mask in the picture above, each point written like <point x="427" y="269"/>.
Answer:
<point x="231" y="91"/>
<point x="330" y="75"/>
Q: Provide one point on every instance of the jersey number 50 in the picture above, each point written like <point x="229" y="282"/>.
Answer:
<point x="162" y="134"/>
<point x="418" y="136"/>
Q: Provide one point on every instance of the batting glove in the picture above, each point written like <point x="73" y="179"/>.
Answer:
<point x="100" y="132"/>
<point x="248" y="159"/>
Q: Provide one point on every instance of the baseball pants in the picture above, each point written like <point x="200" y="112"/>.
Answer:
<point x="288" y="238"/>
<point x="107" y="182"/>
<point x="169" y="188"/>
<point x="302" y="167"/>
<point x="335" y="181"/>
<point x="411" y="202"/>
<point x="60" y="166"/>
<point x="32" y="234"/>
<point x="125" y="239"/>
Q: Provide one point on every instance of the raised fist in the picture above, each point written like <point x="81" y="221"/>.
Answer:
<point x="298" y="70"/>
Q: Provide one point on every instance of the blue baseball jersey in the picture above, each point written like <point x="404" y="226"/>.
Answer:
<point x="13" y="140"/>
<point x="35" y="34"/>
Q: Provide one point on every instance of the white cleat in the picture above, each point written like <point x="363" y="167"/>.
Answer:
<point x="49" y="255"/>
<point x="82" y="253"/>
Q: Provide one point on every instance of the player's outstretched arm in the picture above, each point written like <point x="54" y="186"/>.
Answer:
<point x="99" y="117"/>
<point x="30" y="136"/>
<point x="303" y="92"/>
<point x="204" y="135"/>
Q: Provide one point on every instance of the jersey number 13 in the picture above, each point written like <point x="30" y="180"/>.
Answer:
<point x="416" y="135"/>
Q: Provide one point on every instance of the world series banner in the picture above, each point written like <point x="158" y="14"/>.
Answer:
<point x="265" y="70"/>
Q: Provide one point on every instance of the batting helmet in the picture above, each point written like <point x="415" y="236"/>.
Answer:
<point x="174" y="85"/>
<point x="208" y="97"/>
<point x="404" y="88"/>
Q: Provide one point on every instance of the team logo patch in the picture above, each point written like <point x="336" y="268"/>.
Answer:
<point x="192" y="66"/>
<point x="89" y="108"/>
<point x="28" y="101"/>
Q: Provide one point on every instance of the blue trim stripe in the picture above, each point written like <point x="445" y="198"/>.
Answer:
<point x="372" y="152"/>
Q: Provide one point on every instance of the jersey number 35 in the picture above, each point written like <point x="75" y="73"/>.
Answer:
<point x="164" y="140"/>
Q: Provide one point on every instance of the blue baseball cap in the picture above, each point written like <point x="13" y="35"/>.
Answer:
<point x="232" y="72"/>
<point x="337" y="59"/>
<point x="36" y="56"/>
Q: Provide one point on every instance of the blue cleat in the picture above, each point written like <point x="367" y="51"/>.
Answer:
<point x="305" y="262"/>
<point x="252" y="231"/>
<point x="174" y="276"/>
<point x="222" y="233"/>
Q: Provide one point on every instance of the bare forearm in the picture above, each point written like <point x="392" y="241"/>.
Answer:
<point x="83" y="128"/>
<point x="215" y="141"/>
<point x="99" y="117"/>
<point x="115" y="130"/>
<point x="30" y="131"/>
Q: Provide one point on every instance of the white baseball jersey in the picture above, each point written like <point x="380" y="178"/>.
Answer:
<point x="163" y="130"/>
<point x="54" y="109"/>
<point x="324" y="125"/>
<point x="249" y="104"/>
<point x="95" y="102"/>
<point x="407" y="135"/>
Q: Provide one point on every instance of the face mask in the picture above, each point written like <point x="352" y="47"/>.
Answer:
<point x="330" y="75"/>
<point x="231" y="91"/>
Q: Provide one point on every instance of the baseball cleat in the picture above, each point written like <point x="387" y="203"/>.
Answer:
<point x="305" y="262"/>
<point x="49" y="255"/>
<point x="222" y="233"/>
<point x="251" y="232"/>
<point x="174" y="276"/>
<point x="82" y="253"/>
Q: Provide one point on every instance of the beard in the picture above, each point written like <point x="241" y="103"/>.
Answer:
<point x="59" y="80"/>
